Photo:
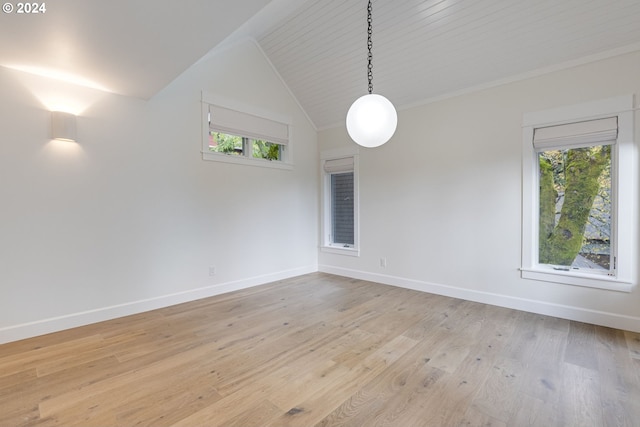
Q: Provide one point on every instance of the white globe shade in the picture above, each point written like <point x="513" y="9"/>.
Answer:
<point x="371" y="120"/>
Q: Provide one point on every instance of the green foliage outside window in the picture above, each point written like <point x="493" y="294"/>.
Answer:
<point x="266" y="150"/>
<point x="575" y="205"/>
<point x="224" y="143"/>
<point x="236" y="145"/>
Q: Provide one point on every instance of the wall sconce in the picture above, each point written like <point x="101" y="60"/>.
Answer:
<point x="63" y="126"/>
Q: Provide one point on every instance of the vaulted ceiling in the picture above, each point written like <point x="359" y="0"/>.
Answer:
<point x="422" y="50"/>
<point x="130" y="47"/>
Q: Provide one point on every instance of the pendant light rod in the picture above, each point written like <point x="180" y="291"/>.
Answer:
<point x="369" y="46"/>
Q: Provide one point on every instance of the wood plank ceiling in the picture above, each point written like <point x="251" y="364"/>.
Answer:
<point x="424" y="50"/>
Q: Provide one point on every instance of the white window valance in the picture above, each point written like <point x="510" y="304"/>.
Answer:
<point x="234" y="122"/>
<point x="576" y="135"/>
<point x="339" y="165"/>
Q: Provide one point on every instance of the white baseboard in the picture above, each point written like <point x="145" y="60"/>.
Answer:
<point x="45" y="326"/>
<point x="612" y="320"/>
<point x="55" y="324"/>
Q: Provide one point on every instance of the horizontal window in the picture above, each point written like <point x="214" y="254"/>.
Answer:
<point x="237" y="133"/>
<point x="235" y="145"/>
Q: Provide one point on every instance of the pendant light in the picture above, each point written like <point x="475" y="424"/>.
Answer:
<point x="372" y="118"/>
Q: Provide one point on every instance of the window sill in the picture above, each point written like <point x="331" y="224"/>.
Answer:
<point x="341" y="250"/>
<point x="241" y="160"/>
<point x="577" y="279"/>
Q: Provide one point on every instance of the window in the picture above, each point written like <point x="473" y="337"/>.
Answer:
<point x="340" y="210"/>
<point x="237" y="133"/>
<point x="578" y="196"/>
<point x="574" y="195"/>
<point x="236" y="145"/>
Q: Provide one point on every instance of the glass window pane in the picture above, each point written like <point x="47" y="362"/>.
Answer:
<point x="342" y="219"/>
<point x="575" y="208"/>
<point x="266" y="150"/>
<point x="225" y="143"/>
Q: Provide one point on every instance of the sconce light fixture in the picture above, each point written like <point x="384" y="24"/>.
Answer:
<point x="63" y="126"/>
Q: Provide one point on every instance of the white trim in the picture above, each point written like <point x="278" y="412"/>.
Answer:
<point x="619" y="51"/>
<point x="576" y="134"/>
<point x="55" y="324"/>
<point x="73" y="320"/>
<point x="340" y="250"/>
<point x="577" y="279"/>
<point x="596" y="317"/>
<point x="249" y="161"/>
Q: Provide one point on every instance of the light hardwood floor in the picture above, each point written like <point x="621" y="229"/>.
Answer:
<point x="325" y="350"/>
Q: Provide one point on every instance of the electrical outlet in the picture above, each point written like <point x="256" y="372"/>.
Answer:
<point x="212" y="270"/>
<point x="383" y="262"/>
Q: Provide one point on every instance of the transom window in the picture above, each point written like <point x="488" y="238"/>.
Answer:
<point x="237" y="133"/>
<point x="241" y="146"/>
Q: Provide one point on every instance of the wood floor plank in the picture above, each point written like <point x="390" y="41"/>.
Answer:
<point x="325" y="350"/>
<point x="258" y="415"/>
<point x="32" y="358"/>
<point x="492" y="399"/>
<point x="21" y="400"/>
<point x="475" y="418"/>
<point x="548" y="348"/>
<point x="90" y="395"/>
<point x="453" y="348"/>
<point x="525" y="336"/>
<point x="21" y="377"/>
<point x="188" y="393"/>
<point x="388" y="396"/>
<point x="534" y="412"/>
<point x="445" y="402"/>
<point x="633" y="342"/>
<point x="303" y="384"/>
<point x="358" y="345"/>
<point x="580" y="344"/>
<point x="241" y="368"/>
<point x="544" y="363"/>
<point x="312" y="410"/>
<point x="619" y="389"/>
<point x="581" y="401"/>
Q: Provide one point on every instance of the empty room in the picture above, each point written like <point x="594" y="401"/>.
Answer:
<point x="320" y="213"/>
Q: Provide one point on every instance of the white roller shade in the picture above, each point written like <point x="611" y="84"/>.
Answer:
<point x="576" y="135"/>
<point x="339" y="165"/>
<point x="238" y="123"/>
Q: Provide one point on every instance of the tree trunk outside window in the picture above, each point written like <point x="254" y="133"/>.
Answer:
<point x="581" y="169"/>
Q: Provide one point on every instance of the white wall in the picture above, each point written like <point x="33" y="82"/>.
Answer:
<point x="442" y="200"/>
<point x="131" y="217"/>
